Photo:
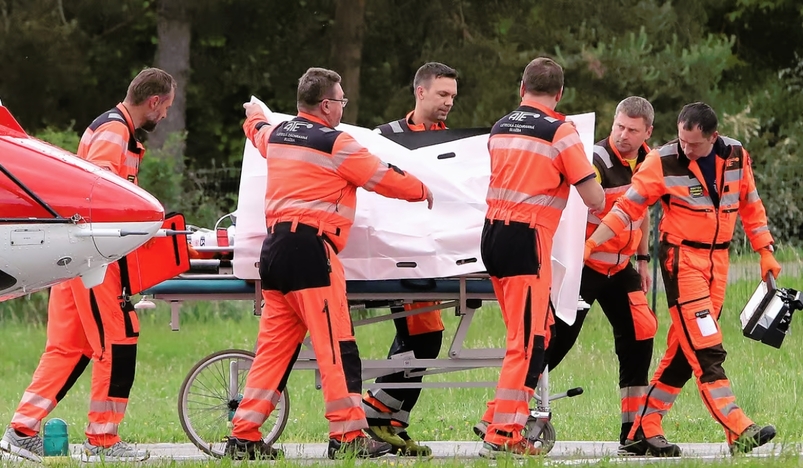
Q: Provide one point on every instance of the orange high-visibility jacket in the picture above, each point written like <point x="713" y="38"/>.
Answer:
<point x="109" y="142"/>
<point x="615" y="174"/>
<point x="690" y="215"/>
<point x="535" y="156"/>
<point x="314" y="171"/>
<point x="406" y="125"/>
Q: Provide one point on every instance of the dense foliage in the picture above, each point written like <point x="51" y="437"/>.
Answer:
<point x="65" y="62"/>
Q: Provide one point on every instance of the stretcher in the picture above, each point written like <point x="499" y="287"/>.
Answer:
<point x="213" y="388"/>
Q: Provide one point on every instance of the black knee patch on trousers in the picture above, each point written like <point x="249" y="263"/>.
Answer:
<point x="711" y="360"/>
<point x="124" y="366"/>
<point x="536" y="363"/>
<point x="352" y="367"/>
<point x="286" y="375"/>
<point x="678" y="372"/>
<point x="79" y="368"/>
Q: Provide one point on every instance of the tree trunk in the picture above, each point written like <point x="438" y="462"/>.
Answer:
<point x="346" y="52"/>
<point x="173" y="56"/>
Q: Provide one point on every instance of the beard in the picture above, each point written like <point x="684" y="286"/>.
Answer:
<point x="148" y="126"/>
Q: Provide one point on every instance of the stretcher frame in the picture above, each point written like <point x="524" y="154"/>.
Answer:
<point x="464" y="294"/>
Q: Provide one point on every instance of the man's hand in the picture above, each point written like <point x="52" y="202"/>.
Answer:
<point x="768" y="264"/>
<point x="251" y="108"/>
<point x="590" y="245"/>
<point x="430" y="199"/>
<point x="644" y="272"/>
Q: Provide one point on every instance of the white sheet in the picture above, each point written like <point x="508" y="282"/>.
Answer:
<point x="439" y="241"/>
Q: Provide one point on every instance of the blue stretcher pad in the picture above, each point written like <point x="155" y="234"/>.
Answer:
<point x="198" y="287"/>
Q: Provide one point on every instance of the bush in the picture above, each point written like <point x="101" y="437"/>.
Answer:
<point x="769" y="127"/>
<point x="182" y="190"/>
<point x="67" y="139"/>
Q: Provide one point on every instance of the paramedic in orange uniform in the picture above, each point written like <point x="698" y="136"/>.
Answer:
<point x="98" y="324"/>
<point x="608" y="275"/>
<point x="310" y="201"/>
<point x="388" y="410"/>
<point x="704" y="181"/>
<point x="535" y="157"/>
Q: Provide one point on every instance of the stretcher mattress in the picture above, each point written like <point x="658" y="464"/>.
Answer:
<point x="201" y="287"/>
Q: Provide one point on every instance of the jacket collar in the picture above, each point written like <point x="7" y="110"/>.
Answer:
<point x="550" y="112"/>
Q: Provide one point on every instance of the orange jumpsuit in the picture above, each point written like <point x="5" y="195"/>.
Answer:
<point x="310" y="202"/>
<point x="421" y="333"/>
<point x="609" y="278"/>
<point x="99" y="323"/>
<point x="696" y="230"/>
<point x="535" y="157"/>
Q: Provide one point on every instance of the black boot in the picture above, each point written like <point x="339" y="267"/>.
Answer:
<point x="752" y="437"/>
<point x="240" y="449"/>
<point x="361" y="447"/>
<point x="657" y="446"/>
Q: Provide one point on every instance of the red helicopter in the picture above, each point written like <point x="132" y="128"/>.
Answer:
<point x="63" y="217"/>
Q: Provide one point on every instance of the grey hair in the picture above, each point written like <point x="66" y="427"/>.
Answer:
<point x="636" y="106"/>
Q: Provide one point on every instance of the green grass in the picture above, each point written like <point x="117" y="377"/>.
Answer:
<point x="764" y="379"/>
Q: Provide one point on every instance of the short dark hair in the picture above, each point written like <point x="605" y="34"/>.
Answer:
<point x="432" y="70"/>
<point x="314" y="85"/>
<point x="698" y="115"/>
<point x="543" y="76"/>
<point x="149" y="82"/>
<point x="635" y="107"/>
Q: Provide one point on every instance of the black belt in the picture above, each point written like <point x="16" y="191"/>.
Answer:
<point x="701" y="245"/>
<point x="303" y="229"/>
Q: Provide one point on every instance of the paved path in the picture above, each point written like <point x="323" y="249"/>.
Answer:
<point x="564" y="453"/>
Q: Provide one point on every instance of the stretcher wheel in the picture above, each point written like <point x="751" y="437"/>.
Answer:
<point x="210" y="394"/>
<point x="545" y="437"/>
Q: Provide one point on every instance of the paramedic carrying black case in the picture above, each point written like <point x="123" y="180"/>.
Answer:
<point x="768" y="314"/>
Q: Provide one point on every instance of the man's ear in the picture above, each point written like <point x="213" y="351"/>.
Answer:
<point x="714" y="136"/>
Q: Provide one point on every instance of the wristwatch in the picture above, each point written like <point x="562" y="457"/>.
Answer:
<point x="645" y="257"/>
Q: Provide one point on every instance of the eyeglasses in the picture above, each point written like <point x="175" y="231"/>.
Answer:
<point x="342" y="102"/>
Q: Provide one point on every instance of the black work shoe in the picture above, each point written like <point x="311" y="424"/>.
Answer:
<point x="632" y="448"/>
<point x="361" y="447"/>
<point x="752" y="437"/>
<point x="656" y="446"/>
<point x="481" y="428"/>
<point x="241" y="449"/>
<point x="522" y="448"/>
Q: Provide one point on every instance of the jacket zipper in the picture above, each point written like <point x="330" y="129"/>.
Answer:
<point x="329" y="324"/>
<point x="697" y="210"/>
<point x="716" y="231"/>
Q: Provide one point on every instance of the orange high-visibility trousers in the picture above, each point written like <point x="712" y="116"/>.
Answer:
<point x="300" y="295"/>
<point x="85" y="324"/>
<point x="694" y="342"/>
<point x="513" y="255"/>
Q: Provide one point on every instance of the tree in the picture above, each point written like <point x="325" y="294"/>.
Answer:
<point x="173" y="27"/>
<point x="345" y="54"/>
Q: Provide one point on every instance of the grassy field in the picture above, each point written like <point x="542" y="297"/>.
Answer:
<point x="765" y="380"/>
